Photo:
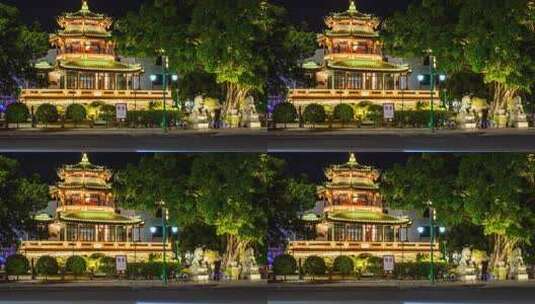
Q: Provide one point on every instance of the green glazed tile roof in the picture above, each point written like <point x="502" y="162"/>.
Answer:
<point x="363" y="216"/>
<point x="368" y="65"/>
<point x="331" y="33"/>
<point x="100" y="65"/>
<point x="98" y="217"/>
<point x="43" y="217"/>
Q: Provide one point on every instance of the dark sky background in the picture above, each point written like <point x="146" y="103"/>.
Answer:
<point x="309" y="11"/>
<point x="310" y="164"/>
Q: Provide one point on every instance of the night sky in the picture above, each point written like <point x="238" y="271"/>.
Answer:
<point x="309" y="11"/>
<point x="310" y="164"/>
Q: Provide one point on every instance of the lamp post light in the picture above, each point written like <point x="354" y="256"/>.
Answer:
<point x="441" y="78"/>
<point x="421" y="230"/>
<point x="165" y="75"/>
<point x="174" y="231"/>
<point x="165" y="217"/>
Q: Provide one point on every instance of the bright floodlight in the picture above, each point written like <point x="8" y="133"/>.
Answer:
<point x="174" y="230"/>
<point x="421" y="78"/>
<point x="174" y="77"/>
<point x="442" y="77"/>
<point x="153" y="230"/>
<point x="442" y="230"/>
<point x="420" y="229"/>
<point x="153" y="78"/>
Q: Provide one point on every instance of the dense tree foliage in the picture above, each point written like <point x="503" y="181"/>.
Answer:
<point x="20" y="46"/>
<point x="249" y="57"/>
<point x="247" y="199"/>
<point x="20" y="197"/>
<point x="495" y="39"/>
<point x="492" y="191"/>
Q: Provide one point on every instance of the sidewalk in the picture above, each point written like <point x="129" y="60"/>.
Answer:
<point x="403" y="284"/>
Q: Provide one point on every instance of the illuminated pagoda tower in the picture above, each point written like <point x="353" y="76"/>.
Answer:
<point x="351" y="66"/>
<point x="86" y="218"/>
<point x="352" y="218"/>
<point x="84" y="65"/>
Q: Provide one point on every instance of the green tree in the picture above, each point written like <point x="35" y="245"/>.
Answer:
<point x="344" y="113"/>
<point x="20" y="197"/>
<point x="22" y="46"/>
<point x="76" y="113"/>
<point x="47" y="265"/>
<point x="284" y="265"/>
<point x="244" y="209"/>
<point x="17" y="113"/>
<point x="492" y="38"/>
<point x="492" y="191"/>
<point x="76" y="265"/>
<point x="17" y="265"/>
<point x="343" y="265"/>
<point x="47" y="113"/>
<point x="243" y="57"/>
<point x="284" y="113"/>
<point x="314" y="266"/>
<point x="314" y="114"/>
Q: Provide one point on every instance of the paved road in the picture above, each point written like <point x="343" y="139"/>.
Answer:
<point x="275" y="295"/>
<point x="263" y="141"/>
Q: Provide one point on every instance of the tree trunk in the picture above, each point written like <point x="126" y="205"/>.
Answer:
<point x="235" y="93"/>
<point x="501" y="248"/>
<point x="501" y="95"/>
<point x="234" y="248"/>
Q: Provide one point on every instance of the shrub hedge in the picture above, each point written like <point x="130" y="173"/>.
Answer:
<point x="284" y="265"/>
<point x="17" y="265"/>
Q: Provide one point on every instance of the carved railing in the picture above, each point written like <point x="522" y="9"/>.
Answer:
<point x="374" y="94"/>
<point x="363" y="246"/>
<point x="88" y="94"/>
<point x="92" y="246"/>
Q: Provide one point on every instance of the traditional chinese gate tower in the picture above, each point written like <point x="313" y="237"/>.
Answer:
<point x="353" y="218"/>
<point x="86" y="218"/>
<point x="352" y="67"/>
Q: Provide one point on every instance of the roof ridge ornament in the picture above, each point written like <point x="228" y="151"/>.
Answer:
<point x="352" y="7"/>
<point x="85" y="159"/>
<point x="352" y="159"/>
<point x="85" y="6"/>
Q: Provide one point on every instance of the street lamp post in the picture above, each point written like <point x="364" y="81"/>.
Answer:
<point x="165" y="215"/>
<point x="165" y="75"/>
<point x="432" y="215"/>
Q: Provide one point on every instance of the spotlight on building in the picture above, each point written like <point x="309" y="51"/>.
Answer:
<point x="153" y="77"/>
<point x="153" y="230"/>
<point x="421" y="78"/>
<point x="420" y="230"/>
